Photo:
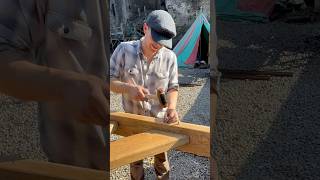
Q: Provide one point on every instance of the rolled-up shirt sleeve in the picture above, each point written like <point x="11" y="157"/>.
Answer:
<point x="173" y="74"/>
<point x="116" y="62"/>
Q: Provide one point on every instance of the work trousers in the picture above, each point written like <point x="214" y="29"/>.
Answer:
<point x="161" y="166"/>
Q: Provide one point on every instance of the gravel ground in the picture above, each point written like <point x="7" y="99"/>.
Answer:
<point x="269" y="129"/>
<point x="193" y="106"/>
<point x="19" y="130"/>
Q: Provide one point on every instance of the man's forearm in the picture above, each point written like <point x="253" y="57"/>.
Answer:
<point x="28" y="81"/>
<point x="119" y="87"/>
<point x="172" y="99"/>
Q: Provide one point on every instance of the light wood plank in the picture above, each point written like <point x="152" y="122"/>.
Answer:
<point x="34" y="170"/>
<point x="199" y="136"/>
<point x="139" y="146"/>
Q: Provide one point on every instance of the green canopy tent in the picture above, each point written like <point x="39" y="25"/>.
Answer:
<point x="195" y="43"/>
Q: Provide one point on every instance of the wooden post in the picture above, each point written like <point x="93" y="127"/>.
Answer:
<point x="214" y="86"/>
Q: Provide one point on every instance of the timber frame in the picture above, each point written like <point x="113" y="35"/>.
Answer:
<point x="146" y="136"/>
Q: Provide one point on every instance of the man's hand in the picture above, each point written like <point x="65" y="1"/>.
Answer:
<point x="134" y="91"/>
<point x="85" y="99"/>
<point x="82" y="96"/>
<point x="137" y="92"/>
<point x="171" y="117"/>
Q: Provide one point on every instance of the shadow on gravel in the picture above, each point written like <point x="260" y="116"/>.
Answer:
<point x="291" y="149"/>
<point x="253" y="47"/>
<point x="199" y="113"/>
<point x="193" y="76"/>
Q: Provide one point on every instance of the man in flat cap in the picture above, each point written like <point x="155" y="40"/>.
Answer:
<point x="53" y="52"/>
<point x="139" y="68"/>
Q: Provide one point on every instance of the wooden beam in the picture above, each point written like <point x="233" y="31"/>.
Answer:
<point x="113" y="126"/>
<point x="143" y="145"/>
<point x="32" y="170"/>
<point x="199" y="136"/>
<point x="242" y="77"/>
<point x="256" y="72"/>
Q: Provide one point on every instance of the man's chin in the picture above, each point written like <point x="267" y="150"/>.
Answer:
<point x="153" y="50"/>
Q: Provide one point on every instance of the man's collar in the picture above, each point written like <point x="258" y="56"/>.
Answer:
<point x="139" y="51"/>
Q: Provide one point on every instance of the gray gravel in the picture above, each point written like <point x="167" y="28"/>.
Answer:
<point x="193" y="106"/>
<point x="269" y="129"/>
<point x="19" y="130"/>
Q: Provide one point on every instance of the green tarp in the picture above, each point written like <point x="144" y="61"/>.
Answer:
<point x="197" y="35"/>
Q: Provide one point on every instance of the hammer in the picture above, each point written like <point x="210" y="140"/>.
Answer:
<point x="160" y="96"/>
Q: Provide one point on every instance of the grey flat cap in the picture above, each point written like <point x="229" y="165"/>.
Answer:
<point x="163" y="28"/>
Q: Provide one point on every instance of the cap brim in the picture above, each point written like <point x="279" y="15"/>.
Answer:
<point x="163" y="40"/>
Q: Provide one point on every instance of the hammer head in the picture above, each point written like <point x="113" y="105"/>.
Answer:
<point x="162" y="98"/>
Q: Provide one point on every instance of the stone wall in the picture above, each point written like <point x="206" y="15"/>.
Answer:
<point x="184" y="12"/>
<point x="118" y="13"/>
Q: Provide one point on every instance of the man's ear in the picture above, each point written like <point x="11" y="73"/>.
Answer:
<point x="145" y="28"/>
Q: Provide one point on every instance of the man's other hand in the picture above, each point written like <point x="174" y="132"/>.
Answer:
<point x="171" y="117"/>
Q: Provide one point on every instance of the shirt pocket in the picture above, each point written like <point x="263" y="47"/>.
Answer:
<point x="159" y="80"/>
<point x="131" y="73"/>
<point x="161" y="75"/>
<point x="68" y="28"/>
